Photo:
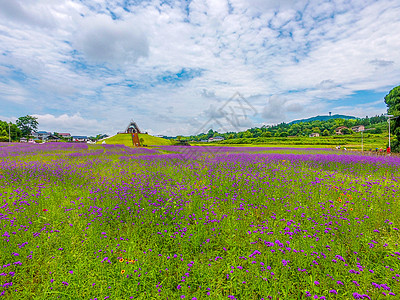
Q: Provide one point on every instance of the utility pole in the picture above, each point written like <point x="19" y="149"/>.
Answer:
<point x="9" y="134"/>
<point x="389" y="128"/>
<point x="362" y="141"/>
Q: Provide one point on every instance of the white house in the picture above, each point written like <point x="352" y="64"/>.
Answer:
<point x="358" y="128"/>
<point x="315" y="134"/>
<point x="216" y="139"/>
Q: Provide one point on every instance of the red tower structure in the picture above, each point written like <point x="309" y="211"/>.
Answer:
<point x="135" y="140"/>
<point x="134" y="130"/>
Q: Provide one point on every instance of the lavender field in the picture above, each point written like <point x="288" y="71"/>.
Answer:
<point x="111" y="222"/>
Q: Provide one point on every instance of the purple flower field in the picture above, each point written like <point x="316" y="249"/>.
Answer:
<point x="112" y="222"/>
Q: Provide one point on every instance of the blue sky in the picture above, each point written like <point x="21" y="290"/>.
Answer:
<point x="90" y="66"/>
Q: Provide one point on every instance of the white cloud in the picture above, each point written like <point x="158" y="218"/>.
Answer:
<point x="274" y="109"/>
<point x="104" y="40"/>
<point x="26" y="12"/>
<point x="353" y="41"/>
<point x="74" y="124"/>
<point x="13" y="92"/>
<point x="369" y="109"/>
<point x="8" y="119"/>
<point x="326" y="84"/>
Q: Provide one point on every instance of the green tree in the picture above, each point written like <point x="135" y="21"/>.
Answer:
<point x="9" y="128"/>
<point x="316" y="130"/>
<point x="350" y="123"/>
<point x="347" y="131"/>
<point x="216" y="134"/>
<point x="27" y="125"/>
<point x="257" y="132"/>
<point x="283" y="134"/>
<point x="210" y="133"/>
<point x="4" y="133"/>
<point x="247" y="134"/>
<point x="295" y="129"/>
<point x="3" y="127"/>
<point x="266" y="134"/>
<point x="307" y="131"/>
<point x="339" y="122"/>
<point x="202" y="137"/>
<point x="392" y="101"/>
<point x="376" y="131"/>
<point x="325" y="132"/>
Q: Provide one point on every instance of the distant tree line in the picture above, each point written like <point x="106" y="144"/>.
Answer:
<point x="324" y="128"/>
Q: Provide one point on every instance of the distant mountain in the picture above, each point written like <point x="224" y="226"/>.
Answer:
<point x="322" y="118"/>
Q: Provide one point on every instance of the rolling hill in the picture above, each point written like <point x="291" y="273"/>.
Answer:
<point x="322" y="118"/>
<point x="126" y="139"/>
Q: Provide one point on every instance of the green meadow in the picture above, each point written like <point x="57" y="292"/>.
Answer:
<point x="126" y="139"/>
<point x="352" y="142"/>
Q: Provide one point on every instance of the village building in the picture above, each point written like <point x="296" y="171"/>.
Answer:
<point x="41" y="135"/>
<point x="315" y="134"/>
<point x="65" y="135"/>
<point x="52" y="138"/>
<point x="216" y="139"/>
<point x="339" y="129"/>
<point x="25" y="140"/>
<point x="80" y="138"/>
<point x="358" y="128"/>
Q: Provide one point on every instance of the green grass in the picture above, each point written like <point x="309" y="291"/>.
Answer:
<point x="271" y="145"/>
<point x="351" y="142"/>
<point x="126" y="139"/>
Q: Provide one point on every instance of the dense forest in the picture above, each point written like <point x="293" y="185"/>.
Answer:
<point x="375" y="125"/>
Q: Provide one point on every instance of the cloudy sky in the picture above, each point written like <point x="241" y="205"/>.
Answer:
<point x="180" y="67"/>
